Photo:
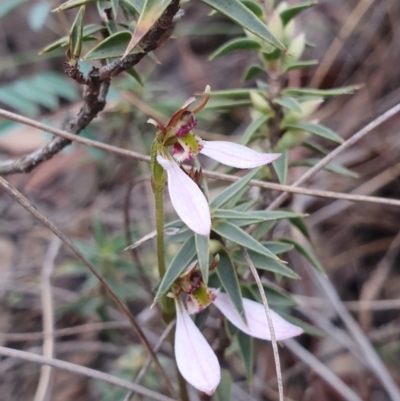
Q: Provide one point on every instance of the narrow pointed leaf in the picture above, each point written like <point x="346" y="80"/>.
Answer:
<point x="316" y="129"/>
<point x="202" y="249"/>
<point x="263" y="263"/>
<point x="241" y="93"/>
<point x="238" y="236"/>
<point x="274" y="214"/>
<point x="111" y="47"/>
<point x="114" y="6"/>
<point x="278" y="247"/>
<point x="281" y="167"/>
<point x="311" y="330"/>
<point x="246" y="347"/>
<point x="72" y="4"/>
<point x="301" y="226"/>
<point x="307" y="253"/>
<point x="135" y="75"/>
<point x="239" y="13"/>
<point x="76" y="35"/>
<point x="235" y="45"/>
<point x="252" y="72"/>
<point x="136" y="4"/>
<point x="151" y="12"/>
<point x="262" y="229"/>
<point x="224" y="389"/>
<point x="345" y="90"/>
<point x="234" y="215"/>
<point x="291" y="12"/>
<point x="299" y="64"/>
<point x="222" y="104"/>
<point x="254" y="7"/>
<point x="252" y="129"/>
<point x="180" y="262"/>
<point x="229" y="280"/>
<point x="331" y="167"/>
<point x="276" y="296"/>
<point x="87" y="31"/>
<point x="232" y="189"/>
<point x="288" y="102"/>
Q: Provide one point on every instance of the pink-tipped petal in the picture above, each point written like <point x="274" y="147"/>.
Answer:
<point x="186" y="198"/>
<point x="235" y="155"/>
<point x="256" y="319"/>
<point x="195" y="358"/>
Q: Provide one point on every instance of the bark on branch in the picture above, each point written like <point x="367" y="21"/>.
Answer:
<point x="96" y="83"/>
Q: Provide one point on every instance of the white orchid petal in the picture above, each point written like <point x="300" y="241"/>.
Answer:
<point x="235" y="155"/>
<point x="195" y="358"/>
<point x="186" y="198"/>
<point x="256" y="319"/>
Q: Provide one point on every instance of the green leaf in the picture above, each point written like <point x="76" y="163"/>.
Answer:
<point x="288" y="102"/>
<point x="238" y="93"/>
<point x="307" y="253"/>
<point x="135" y="75"/>
<point x="252" y="72"/>
<point x="233" y="215"/>
<point x="301" y="226"/>
<point x="345" y="90"/>
<point x="179" y="263"/>
<point x="239" y="13"/>
<point x="290" y="12"/>
<point x="72" y="4"/>
<point x="6" y="6"/>
<point x="281" y="166"/>
<point x="76" y="34"/>
<point x="88" y="31"/>
<point x="136" y="4"/>
<point x="232" y="190"/>
<point x="246" y="346"/>
<point x="311" y="330"/>
<point x="214" y="104"/>
<point x="299" y="64"/>
<point x="228" y="277"/>
<point x="224" y="389"/>
<point x="234" y="45"/>
<point x="331" y="167"/>
<point x="278" y="247"/>
<point x="253" y="128"/>
<point x="202" y="249"/>
<point x="38" y="14"/>
<point x="238" y="236"/>
<point x="254" y="7"/>
<point x="273" y="214"/>
<point x="27" y="89"/>
<point x="151" y="12"/>
<point x="10" y="97"/>
<point x="316" y="129"/>
<point x="111" y="47"/>
<point x="275" y="296"/>
<point x="263" y="263"/>
<point x="114" y="6"/>
<point x="262" y="229"/>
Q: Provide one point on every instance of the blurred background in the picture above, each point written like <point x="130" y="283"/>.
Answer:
<point x="104" y="202"/>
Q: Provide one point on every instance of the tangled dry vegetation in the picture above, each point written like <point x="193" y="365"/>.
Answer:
<point x="93" y="197"/>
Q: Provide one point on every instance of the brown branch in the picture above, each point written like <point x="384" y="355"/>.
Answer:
<point x="96" y="83"/>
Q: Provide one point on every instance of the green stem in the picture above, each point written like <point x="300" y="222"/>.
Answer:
<point x="158" y="196"/>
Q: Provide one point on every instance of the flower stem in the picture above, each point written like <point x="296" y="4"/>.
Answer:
<point x="158" y="197"/>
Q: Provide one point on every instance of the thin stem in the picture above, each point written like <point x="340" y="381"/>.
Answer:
<point x="83" y="370"/>
<point x="6" y="167"/>
<point x="158" y="197"/>
<point x="269" y="319"/>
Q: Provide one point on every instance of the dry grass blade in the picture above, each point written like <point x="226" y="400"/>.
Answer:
<point x="82" y="370"/>
<point x="43" y="389"/>
<point x="4" y="167"/>
<point x="321" y="370"/>
<point x="24" y="202"/>
<point x="269" y="319"/>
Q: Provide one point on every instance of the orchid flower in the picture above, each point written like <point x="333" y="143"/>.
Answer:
<point x="194" y="357"/>
<point x="186" y="197"/>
